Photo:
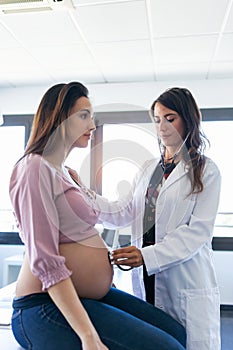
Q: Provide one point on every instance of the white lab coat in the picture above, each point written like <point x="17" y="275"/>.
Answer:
<point x="181" y="259"/>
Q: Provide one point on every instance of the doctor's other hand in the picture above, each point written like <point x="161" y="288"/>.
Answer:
<point x="128" y="256"/>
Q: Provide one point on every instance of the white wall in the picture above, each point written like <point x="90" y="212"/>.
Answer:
<point x="208" y="93"/>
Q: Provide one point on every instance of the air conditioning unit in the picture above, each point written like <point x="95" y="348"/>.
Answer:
<point x="22" y="6"/>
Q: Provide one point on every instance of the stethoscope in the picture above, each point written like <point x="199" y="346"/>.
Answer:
<point x="119" y="266"/>
<point x="170" y="161"/>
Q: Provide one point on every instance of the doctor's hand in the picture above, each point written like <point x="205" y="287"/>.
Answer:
<point x="128" y="256"/>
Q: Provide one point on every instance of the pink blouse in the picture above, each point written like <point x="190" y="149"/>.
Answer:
<point x="49" y="210"/>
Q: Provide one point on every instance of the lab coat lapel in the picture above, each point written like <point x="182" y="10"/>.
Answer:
<point x="180" y="170"/>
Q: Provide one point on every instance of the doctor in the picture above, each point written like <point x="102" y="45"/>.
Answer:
<point x="172" y="210"/>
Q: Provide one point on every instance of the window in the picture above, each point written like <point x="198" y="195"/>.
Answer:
<point x="14" y="134"/>
<point x="11" y="149"/>
<point x="125" y="148"/>
<point x="219" y="134"/>
<point x="79" y="160"/>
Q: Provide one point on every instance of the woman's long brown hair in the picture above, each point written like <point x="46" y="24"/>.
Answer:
<point x="52" y="111"/>
<point x="181" y="101"/>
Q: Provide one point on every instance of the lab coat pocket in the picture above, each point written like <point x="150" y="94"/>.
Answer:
<point x="201" y="313"/>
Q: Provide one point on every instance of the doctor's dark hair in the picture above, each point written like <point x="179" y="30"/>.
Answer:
<point x="182" y="102"/>
<point x="53" y="109"/>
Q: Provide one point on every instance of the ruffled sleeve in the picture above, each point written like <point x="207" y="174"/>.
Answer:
<point x="33" y="198"/>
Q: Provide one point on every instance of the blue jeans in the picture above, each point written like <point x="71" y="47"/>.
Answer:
<point x="121" y="320"/>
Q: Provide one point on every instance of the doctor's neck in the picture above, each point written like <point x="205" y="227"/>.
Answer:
<point x="172" y="154"/>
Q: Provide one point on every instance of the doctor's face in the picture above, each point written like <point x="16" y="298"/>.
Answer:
<point x="170" y="126"/>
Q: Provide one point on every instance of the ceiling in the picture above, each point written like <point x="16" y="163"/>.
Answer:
<point x="118" y="41"/>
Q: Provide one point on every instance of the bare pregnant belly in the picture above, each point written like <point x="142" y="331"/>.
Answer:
<point x="92" y="273"/>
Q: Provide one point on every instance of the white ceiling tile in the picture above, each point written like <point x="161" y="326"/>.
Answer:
<point x="94" y="2"/>
<point x="125" y="52"/>
<point x="29" y="80"/>
<point x="225" y="50"/>
<point x="229" y="25"/>
<point x="127" y="77"/>
<point x="20" y="78"/>
<point x="181" y="71"/>
<point x="47" y="28"/>
<point x="182" y="17"/>
<point x="184" y="49"/>
<point x="114" y="42"/>
<point x="223" y="70"/>
<point x="17" y="59"/>
<point x="129" y="60"/>
<point x="91" y="76"/>
<point x="64" y="57"/>
<point x="6" y="38"/>
<point x="120" y="21"/>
